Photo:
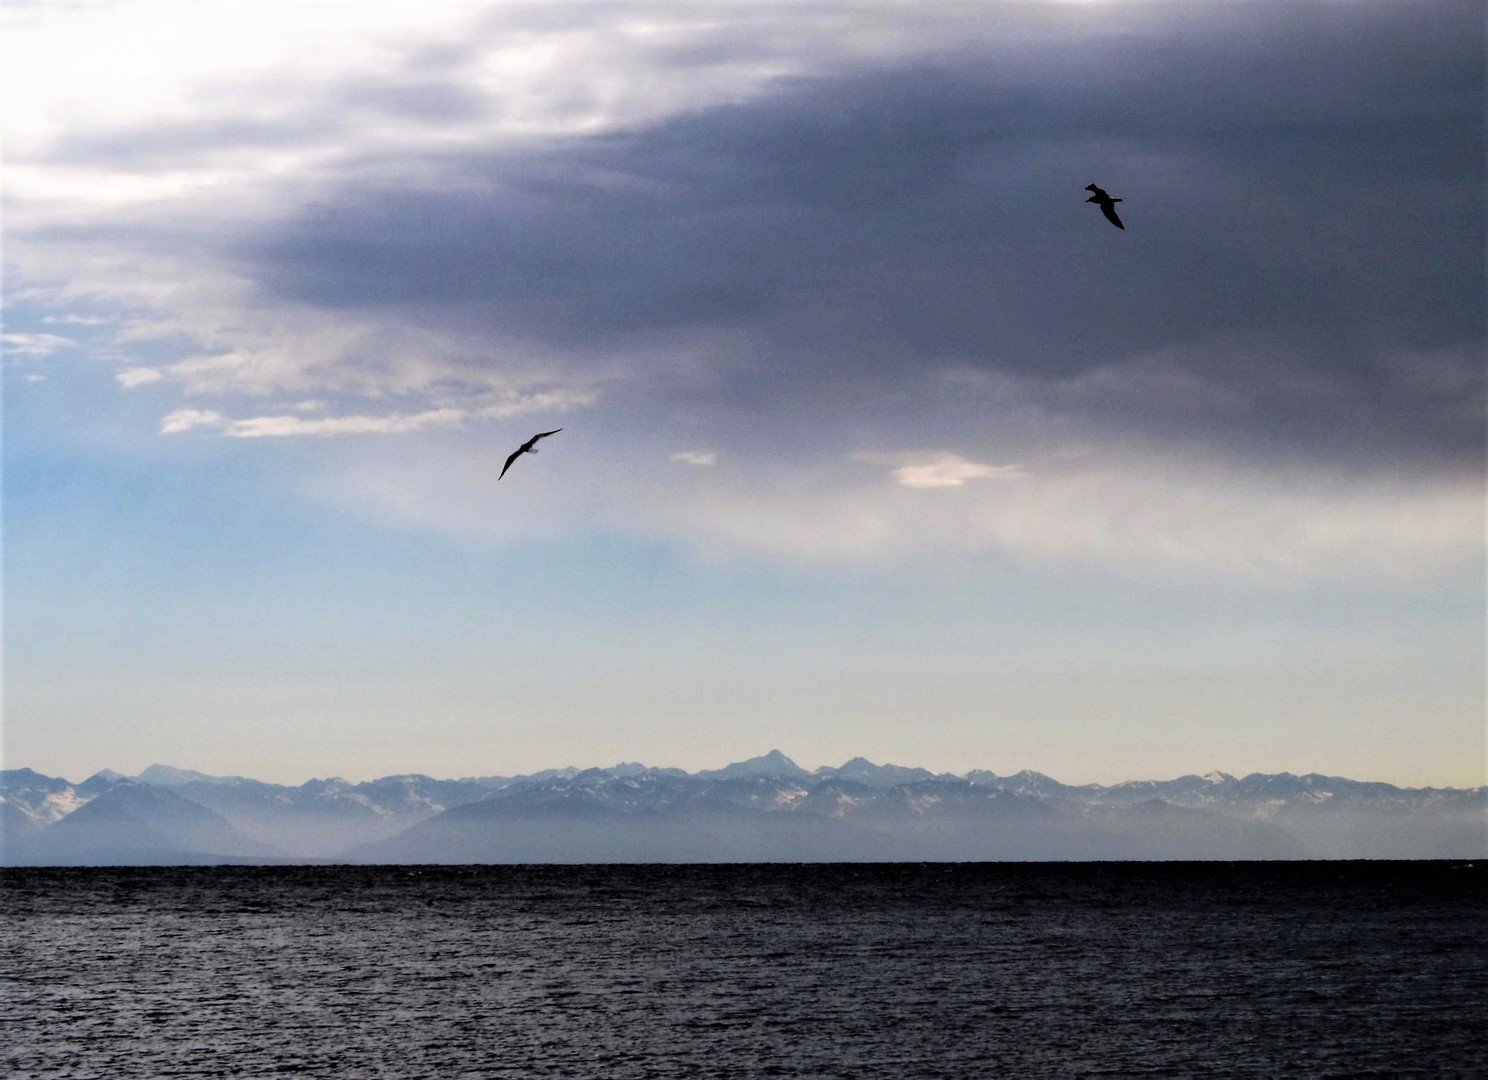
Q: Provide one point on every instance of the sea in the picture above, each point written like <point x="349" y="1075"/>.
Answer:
<point x="843" y="970"/>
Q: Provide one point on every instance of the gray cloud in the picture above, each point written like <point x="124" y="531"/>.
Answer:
<point x="808" y="240"/>
<point x="1303" y="200"/>
<point x="298" y="112"/>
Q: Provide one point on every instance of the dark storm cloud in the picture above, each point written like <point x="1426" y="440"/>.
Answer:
<point x="1303" y="203"/>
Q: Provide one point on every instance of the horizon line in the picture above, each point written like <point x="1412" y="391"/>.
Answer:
<point x="819" y="770"/>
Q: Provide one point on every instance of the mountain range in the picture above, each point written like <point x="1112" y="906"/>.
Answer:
<point x="764" y="809"/>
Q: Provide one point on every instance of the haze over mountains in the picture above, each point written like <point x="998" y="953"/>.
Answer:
<point x="763" y="809"/>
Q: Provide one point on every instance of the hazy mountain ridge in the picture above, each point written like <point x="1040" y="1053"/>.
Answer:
<point x="134" y="823"/>
<point x="762" y="809"/>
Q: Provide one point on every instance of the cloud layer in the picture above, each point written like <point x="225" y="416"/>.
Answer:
<point x="792" y="235"/>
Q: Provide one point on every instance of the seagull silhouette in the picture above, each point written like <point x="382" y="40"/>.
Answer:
<point x="527" y="447"/>
<point x="1106" y="203"/>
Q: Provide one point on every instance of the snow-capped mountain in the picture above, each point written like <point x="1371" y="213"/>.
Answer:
<point x="37" y="800"/>
<point x="135" y="823"/>
<point x="322" y="818"/>
<point x="863" y="771"/>
<point x="774" y="764"/>
<point x="762" y="808"/>
<point x="317" y="819"/>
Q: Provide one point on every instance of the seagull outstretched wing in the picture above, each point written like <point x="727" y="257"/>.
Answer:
<point x="1109" y="209"/>
<point x="526" y="448"/>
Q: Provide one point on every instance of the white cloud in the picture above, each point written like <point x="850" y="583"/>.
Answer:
<point x="1201" y="521"/>
<point x="103" y="66"/>
<point x="510" y="403"/>
<point x="188" y="419"/>
<point x="1183" y="517"/>
<point x="73" y="320"/>
<point x="284" y="426"/>
<point x="277" y="349"/>
<point x="492" y="406"/>
<point x="35" y="344"/>
<point x="137" y="376"/>
<point x="948" y="470"/>
<point x="33" y="377"/>
<point x="695" y="457"/>
<point x="393" y="424"/>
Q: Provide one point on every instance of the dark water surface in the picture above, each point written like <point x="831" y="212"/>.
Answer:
<point x="844" y="970"/>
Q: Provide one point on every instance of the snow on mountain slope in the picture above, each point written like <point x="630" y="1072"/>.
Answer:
<point x="857" y="810"/>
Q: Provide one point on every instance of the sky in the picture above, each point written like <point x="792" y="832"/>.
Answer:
<point x="877" y="438"/>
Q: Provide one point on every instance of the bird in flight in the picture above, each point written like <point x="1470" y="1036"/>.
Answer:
<point x="1106" y="203"/>
<point x="528" y="447"/>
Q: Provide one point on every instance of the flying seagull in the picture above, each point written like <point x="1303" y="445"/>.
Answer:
<point x="1106" y="203"/>
<point x="527" y="447"/>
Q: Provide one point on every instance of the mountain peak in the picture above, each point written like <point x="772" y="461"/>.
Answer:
<point x="102" y="780"/>
<point x="897" y="811"/>
<point x="774" y="763"/>
<point x="626" y="769"/>
<point x="170" y="776"/>
<point x="27" y="776"/>
<point x="864" y="771"/>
